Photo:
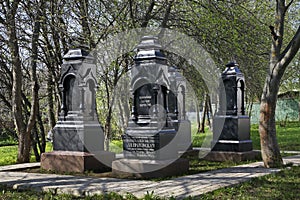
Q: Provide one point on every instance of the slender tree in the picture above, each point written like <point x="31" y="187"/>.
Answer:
<point x="279" y="61"/>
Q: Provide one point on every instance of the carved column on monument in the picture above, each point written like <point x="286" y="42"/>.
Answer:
<point x="177" y="110"/>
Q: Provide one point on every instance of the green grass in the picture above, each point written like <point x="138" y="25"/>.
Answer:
<point x="198" y="166"/>
<point x="116" y="146"/>
<point x="282" y="185"/>
<point x="287" y="137"/>
<point x="9" y="154"/>
<point x="201" y="139"/>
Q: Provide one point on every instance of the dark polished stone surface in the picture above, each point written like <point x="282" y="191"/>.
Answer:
<point x="231" y="126"/>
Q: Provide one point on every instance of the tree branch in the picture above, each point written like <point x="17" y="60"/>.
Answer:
<point x="148" y="14"/>
<point x="290" y="51"/>
<point x="289" y="4"/>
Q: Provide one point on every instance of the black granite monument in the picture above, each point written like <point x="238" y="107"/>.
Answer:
<point x="148" y="143"/>
<point x="231" y="125"/>
<point x="78" y="139"/>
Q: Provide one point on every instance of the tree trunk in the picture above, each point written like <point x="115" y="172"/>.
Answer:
<point x="198" y="117"/>
<point x="278" y="64"/>
<point x="267" y="129"/>
<point x="202" y="127"/>
<point x="34" y="143"/>
<point x="23" y="135"/>
<point x="209" y="110"/>
<point x="42" y="143"/>
<point x="249" y="109"/>
<point x="51" y="112"/>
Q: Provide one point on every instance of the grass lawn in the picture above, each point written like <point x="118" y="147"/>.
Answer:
<point x="9" y="154"/>
<point x="282" y="185"/>
<point x="288" y="137"/>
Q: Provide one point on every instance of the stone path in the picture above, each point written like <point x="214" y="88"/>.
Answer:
<point x="19" y="166"/>
<point x="192" y="185"/>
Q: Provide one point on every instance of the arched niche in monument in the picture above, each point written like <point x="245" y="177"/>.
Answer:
<point x="241" y="96"/>
<point x="69" y="94"/>
<point x="230" y="93"/>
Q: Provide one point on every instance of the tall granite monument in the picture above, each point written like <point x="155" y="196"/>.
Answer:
<point x="150" y="147"/>
<point x="78" y="139"/>
<point x="231" y="124"/>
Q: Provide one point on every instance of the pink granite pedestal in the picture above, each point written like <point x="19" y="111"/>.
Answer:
<point x="73" y="161"/>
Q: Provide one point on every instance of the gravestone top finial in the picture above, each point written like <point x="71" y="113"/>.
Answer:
<point x="232" y="68"/>
<point x="232" y="63"/>
<point x="149" y="42"/>
<point x="149" y="48"/>
<point x="81" y="52"/>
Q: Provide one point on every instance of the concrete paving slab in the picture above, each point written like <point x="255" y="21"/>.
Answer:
<point x="181" y="187"/>
<point x="19" y="166"/>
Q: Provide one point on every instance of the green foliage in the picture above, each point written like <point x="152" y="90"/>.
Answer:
<point x="8" y="140"/>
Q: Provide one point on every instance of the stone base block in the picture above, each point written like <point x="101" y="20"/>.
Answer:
<point x="191" y="153"/>
<point x="232" y="156"/>
<point x="134" y="168"/>
<point x="73" y="161"/>
<point x="232" y="145"/>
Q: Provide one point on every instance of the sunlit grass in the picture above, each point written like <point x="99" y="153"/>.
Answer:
<point x="287" y="137"/>
<point x="282" y="185"/>
<point x="116" y="146"/>
<point x="9" y="154"/>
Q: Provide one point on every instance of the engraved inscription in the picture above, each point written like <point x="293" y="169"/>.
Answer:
<point x="145" y="101"/>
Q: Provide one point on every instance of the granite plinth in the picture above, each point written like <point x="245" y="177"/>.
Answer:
<point x="191" y="153"/>
<point x="129" y="168"/>
<point x="74" y="134"/>
<point x="232" y="145"/>
<point x="231" y="133"/>
<point x="232" y="156"/>
<point x="147" y="144"/>
<point x="72" y="161"/>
